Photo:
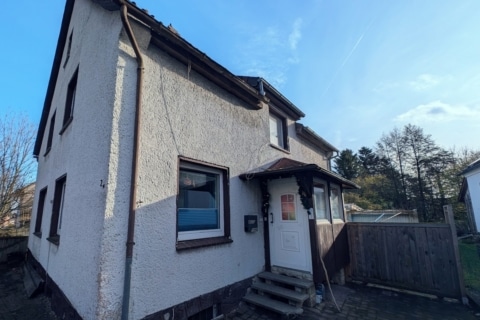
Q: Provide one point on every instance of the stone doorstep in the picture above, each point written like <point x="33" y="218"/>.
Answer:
<point x="273" y="305"/>
<point x="297" y="297"/>
<point x="295" y="282"/>
<point x="300" y="285"/>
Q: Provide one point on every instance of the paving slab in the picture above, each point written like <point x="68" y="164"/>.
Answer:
<point x="362" y="302"/>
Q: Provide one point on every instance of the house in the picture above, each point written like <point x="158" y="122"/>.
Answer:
<point x="470" y="194"/>
<point x="166" y="183"/>
<point x="17" y="215"/>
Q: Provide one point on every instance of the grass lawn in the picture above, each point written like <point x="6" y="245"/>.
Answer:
<point x="470" y="264"/>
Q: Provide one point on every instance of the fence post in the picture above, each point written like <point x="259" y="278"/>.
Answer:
<point x="448" y="212"/>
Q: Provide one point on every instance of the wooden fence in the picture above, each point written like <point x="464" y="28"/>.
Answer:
<point x="413" y="256"/>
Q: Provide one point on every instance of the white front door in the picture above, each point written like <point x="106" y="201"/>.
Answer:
<point x="288" y="226"/>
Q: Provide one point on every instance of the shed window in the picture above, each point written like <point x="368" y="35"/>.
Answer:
<point x="320" y="197"/>
<point x="336" y="202"/>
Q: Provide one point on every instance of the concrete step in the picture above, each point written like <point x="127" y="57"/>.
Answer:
<point x="294" y="282"/>
<point x="277" y="291"/>
<point x="273" y="305"/>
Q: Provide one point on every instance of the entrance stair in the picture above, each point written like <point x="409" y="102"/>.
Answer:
<point x="282" y="294"/>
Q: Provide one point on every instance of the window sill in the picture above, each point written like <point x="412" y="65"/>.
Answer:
<point x="199" y="243"/>
<point x="38" y="234"/>
<point x="65" y="125"/>
<point x="54" y="239"/>
<point x="338" y="221"/>
<point x="274" y="146"/>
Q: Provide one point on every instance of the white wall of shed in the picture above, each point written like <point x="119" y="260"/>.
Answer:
<point x="473" y="182"/>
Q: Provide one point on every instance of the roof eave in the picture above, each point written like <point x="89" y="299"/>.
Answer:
<point x="275" y="97"/>
<point x="310" y="136"/>
<point x="311" y="168"/>
<point x="62" y="38"/>
<point x="185" y="52"/>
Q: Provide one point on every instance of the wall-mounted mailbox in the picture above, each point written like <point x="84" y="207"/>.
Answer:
<point x="251" y="223"/>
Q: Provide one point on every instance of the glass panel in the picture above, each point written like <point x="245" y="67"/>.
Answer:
<point x="198" y="201"/>
<point x="276" y="131"/>
<point x="288" y="207"/>
<point x="319" y="197"/>
<point x="335" y="201"/>
<point x="62" y="200"/>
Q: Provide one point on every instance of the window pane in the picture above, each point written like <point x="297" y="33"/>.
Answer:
<point x="276" y="131"/>
<point x="288" y="207"/>
<point x="198" y="201"/>
<point x="335" y="201"/>
<point x="320" y="201"/>
<point x="62" y="200"/>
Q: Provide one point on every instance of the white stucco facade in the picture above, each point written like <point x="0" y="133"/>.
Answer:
<point x="183" y="114"/>
<point x="473" y="192"/>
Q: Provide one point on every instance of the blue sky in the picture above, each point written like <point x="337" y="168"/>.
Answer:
<point x="356" y="68"/>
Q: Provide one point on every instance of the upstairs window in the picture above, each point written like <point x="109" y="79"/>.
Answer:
<point x="69" y="48"/>
<point x="40" y="207"/>
<point x="57" y="210"/>
<point x="50" y="133"/>
<point x="70" y="102"/>
<point x="278" y="131"/>
<point x="202" y="202"/>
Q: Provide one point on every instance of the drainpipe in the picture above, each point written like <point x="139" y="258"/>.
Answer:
<point x="134" y="174"/>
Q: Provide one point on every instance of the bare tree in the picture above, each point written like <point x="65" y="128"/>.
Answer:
<point x="16" y="163"/>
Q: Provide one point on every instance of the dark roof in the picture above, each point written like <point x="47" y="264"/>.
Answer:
<point x="285" y="167"/>
<point x="276" y="99"/>
<point x="472" y="166"/>
<point x="309" y="135"/>
<point x="166" y="39"/>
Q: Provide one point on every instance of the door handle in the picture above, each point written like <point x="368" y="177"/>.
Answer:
<point x="271" y="214"/>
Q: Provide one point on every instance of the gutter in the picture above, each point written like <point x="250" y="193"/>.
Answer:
<point x="134" y="174"/>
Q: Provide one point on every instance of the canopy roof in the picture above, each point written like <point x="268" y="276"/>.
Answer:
<point x="285" y="167"/>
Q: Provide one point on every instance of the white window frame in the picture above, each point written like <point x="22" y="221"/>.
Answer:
<point x="339" y="203"/>
<point x="60" y="210"/>
<point x="210" y="233"/>
<point x="276" y="130"/>
<point x="327" y="217"/>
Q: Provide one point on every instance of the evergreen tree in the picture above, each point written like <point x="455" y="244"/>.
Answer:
<point x="347" y="164"/>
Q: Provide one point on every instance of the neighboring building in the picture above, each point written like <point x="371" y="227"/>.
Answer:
<point x="470" y="194"/>
<point x="17" y="220"/>
<point x="390" y="216"/>
<point x="166" y="183"/>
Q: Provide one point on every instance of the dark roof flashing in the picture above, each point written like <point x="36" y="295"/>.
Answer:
<point x="472" y="166"/>
<point x="309" y="135"/>
<point x="274" y="96"/>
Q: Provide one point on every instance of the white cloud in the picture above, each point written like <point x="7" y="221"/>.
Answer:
<point x="270" y="53"/>
<point x="438" y="111"/>
<point x="296" y="34"/>
<point x="425" y="81"/>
